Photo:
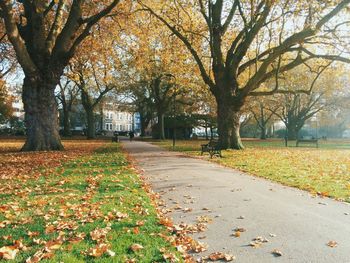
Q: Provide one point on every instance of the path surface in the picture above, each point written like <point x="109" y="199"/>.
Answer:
<point x="303" y="225"/>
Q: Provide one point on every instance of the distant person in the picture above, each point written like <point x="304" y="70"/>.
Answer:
<point x="131" y="135"/>
<point x="115" y="138"/>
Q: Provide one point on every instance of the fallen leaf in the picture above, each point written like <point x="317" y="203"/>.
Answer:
<point x="277" y="253"/>
<point x="136" y="247"/>
<point x="8" y="252"/>
<point x="110" y="253"/>
<point x="332" y="243"/>
<point x="237" y="234"/>
<point x="221" y="256"/>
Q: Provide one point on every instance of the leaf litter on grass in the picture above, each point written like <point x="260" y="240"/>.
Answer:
<point x="87" y="207"/>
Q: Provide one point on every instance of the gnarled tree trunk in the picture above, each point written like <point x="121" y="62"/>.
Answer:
<point x="236" y="142"/>
<point x="41" y="115"/>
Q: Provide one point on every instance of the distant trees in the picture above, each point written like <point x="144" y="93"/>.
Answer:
<point x="320" y="85"/>
<point x="263" y="110"/>
<point x="45" y="36"/>
<point x="246" y="43"/>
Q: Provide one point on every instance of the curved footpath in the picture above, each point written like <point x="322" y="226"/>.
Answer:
<point x="298" y="225"/>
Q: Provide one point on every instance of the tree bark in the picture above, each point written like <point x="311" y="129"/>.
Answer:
<point x="160" y="126"/>
<point x="235" y="141"/>
<point x="66" y="122"/>
<point x="263" y="131"/>
<point x="41" y="115"/>
<point x="90" y="118"/>
<point x="144" y="121"/>
<point x="228" y="118"/>
<point x="292" y="131"/>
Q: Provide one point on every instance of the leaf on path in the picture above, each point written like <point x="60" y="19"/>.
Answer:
<point x="237" y="234"/>
<point x="221" y="256"/>
<point x="255" y="244"/>
<point x="238" y="231"/>
<point x="204" y="219"/>
<point x="277" y="253"/>
<point x="260" y="239"/>
<point x="332" y="243"/>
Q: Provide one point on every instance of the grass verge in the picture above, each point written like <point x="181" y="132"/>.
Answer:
<point x="92" y="209"/>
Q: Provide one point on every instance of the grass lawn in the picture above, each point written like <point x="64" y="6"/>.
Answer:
<point x="91" y="208"/>
<point x="325" y="170"/>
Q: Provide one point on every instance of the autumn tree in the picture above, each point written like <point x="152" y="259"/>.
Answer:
<point x="238" y="45"/>
<point x="7" y="58"/>
<point x="5" y="103"/>
<point x="263" y="110"/>
<point x="321" y="84"/>
<point x="138" y="99"/>
<point x="92" y="91"/>
<point x="97" y="69"/>
<point x="45" y="36"/>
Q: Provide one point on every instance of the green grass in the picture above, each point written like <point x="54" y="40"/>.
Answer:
<point x="79" y="197"/>
<point x="325" y="170"/>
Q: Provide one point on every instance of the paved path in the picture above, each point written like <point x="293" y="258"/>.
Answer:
<point x="303" y="225"/>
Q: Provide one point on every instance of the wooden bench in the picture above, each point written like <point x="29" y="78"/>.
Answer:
<point x="315" y="141"/>
<point x="212" y="147"/>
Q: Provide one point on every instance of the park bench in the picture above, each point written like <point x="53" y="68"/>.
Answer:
<point x="315" y="141"/>
<point x="212" y="147"/>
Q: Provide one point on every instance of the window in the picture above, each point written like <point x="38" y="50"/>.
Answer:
<point x="109" y="115"/>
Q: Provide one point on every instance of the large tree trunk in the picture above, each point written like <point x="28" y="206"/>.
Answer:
<point x="263" y="131"/>
<point x="292" y="132"/>
<point x="144" y="121"/>
<point x="66" y="122"/>
<point x="160" y="126"/>
<point x="41" y="116"/>
<point x="228" y="118"/>
<point x="235" y="140"/>
<point x="90" y="118"/>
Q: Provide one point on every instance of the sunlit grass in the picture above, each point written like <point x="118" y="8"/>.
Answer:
<point x="82" y="195"/>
